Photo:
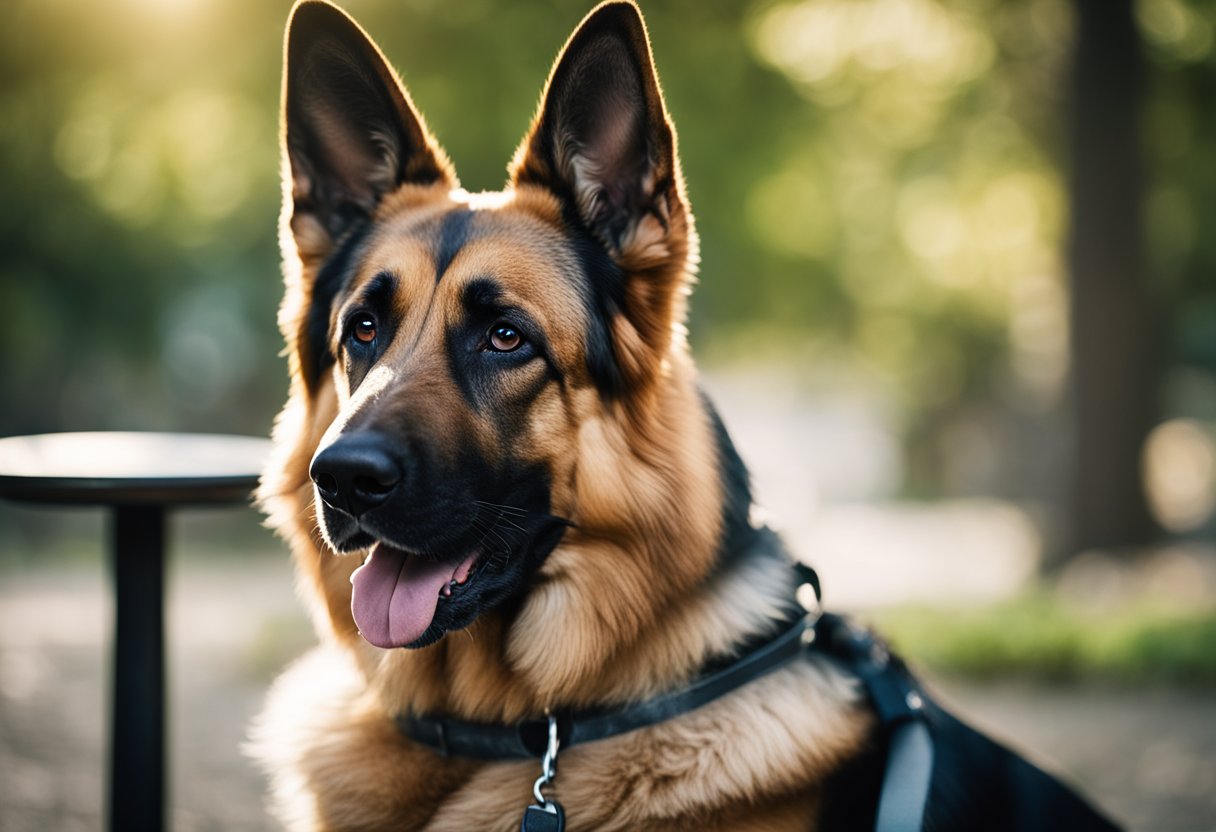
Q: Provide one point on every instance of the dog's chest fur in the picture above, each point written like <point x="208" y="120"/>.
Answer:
<point x="754" y="760"/>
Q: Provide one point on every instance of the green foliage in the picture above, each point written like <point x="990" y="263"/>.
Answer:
<point x="877" y="183"/>
<point x="1037" y="635"/>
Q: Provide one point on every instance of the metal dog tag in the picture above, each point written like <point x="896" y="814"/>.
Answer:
<point x="546" y="818"/>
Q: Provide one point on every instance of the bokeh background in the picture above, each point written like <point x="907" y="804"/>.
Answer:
<point x="957" y="302"/>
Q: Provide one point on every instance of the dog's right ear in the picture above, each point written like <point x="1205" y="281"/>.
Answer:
<point x="351" y="133"/>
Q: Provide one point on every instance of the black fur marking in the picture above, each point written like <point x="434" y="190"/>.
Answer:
<point x="737" y="535"/>
<point x="480" y="294"/>
<point x="603" y="293"/>
<point x="315" y="354"/>
<point x="453" y="234"/>
<point x="478" y="371"/>
<point x="376" y="298"/>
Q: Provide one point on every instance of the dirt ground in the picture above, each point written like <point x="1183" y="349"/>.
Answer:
<point x="1147" y="756"/>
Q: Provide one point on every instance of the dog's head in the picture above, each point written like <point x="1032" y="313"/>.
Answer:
<point x="476" y="357"/>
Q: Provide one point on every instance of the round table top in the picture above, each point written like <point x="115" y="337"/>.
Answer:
<point x="126" y="468"/>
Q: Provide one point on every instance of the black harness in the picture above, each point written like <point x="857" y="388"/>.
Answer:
<point x="893" y="692"/>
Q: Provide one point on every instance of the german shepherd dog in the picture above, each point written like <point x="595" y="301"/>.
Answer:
<point x="505" y="494"/>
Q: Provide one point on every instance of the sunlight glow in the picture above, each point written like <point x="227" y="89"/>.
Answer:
<point x="1180" y="31"/>
<point x="189" y="151"/>
<point x="166" y="9"/>
<point x="815" y="41"/>
<point x="1180" y="474"/>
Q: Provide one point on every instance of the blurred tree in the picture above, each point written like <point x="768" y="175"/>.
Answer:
<point x="137" y="262"/>
<point x="1116" y="352"/>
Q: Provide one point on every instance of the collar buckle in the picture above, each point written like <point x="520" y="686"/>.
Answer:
<point x="548" y="764"/>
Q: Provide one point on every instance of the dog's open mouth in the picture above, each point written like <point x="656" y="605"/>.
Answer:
<point x="395" y="593"/>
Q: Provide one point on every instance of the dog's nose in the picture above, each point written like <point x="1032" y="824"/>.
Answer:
<point x="356" y="473"/>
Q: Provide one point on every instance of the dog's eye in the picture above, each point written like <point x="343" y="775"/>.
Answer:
<point x="363" y="329"/>
<point x="504" y="337"/>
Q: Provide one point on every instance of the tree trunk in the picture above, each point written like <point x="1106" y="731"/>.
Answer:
<point x="1114" y="312"/>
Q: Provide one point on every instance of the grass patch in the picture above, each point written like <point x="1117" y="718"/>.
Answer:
<point x="1038" y="636"/>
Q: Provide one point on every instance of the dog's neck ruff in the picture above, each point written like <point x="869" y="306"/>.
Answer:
<point x="894" y="694"/>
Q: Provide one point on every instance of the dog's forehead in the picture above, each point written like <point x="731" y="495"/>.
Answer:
<point x="435" y="253"/>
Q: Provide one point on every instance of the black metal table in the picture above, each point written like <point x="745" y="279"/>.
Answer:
<point x="139" y="477"/>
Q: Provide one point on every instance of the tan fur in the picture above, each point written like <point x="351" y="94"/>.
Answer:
<point x="622" y="609"/>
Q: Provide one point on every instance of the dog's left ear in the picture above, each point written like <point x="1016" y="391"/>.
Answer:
<point x="603" y="143"/>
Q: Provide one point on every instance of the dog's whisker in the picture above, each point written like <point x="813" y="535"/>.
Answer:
<point x="519" y="512"/>
<point x="485" y="532"/>
<point x="503" y="518"/>
<point x="506" y="544"/>
<point x="499" y="533"/>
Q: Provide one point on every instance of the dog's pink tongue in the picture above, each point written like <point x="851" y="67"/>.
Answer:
<point x="395" y="594"/>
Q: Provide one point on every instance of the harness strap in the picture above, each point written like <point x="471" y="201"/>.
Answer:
<point x="900" y="706"/>
<point x="905" y="784"/>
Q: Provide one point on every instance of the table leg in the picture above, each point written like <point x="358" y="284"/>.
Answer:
<point x="137" y="741"/>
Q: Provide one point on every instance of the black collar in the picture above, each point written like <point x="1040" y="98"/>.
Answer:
<point x="482" y="741"/>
